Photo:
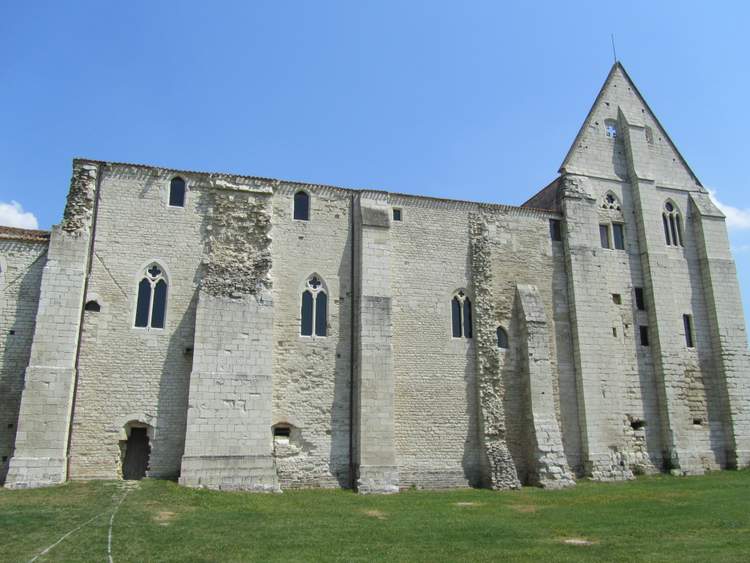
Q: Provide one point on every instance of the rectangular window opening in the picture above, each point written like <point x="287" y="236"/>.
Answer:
<point x="640" y="303"/>
<point x="604" y="236"/>
<point x="616" y="299"/>
<point x="614" y="331"/>
<point x="698" y="421"/>
<point x="687" y="321"/>
<point x="555" y="229"/>
<point x="644" y="335"/>
<point x="618" y="230"/>
<point x="396" y="214"/>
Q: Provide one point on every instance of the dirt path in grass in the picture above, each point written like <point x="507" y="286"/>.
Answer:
<point x="122" y="492"/>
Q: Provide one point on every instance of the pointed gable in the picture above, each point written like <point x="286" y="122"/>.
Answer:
<point x="598" y="149"/>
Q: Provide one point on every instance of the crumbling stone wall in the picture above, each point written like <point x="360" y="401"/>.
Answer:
<point x="79" y="208"/>
<point x="238" y="224"/>
<point x="500" y="469"/>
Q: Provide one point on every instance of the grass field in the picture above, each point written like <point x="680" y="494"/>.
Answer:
<point x="652" y="519"/>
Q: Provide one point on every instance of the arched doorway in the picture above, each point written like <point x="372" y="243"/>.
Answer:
<point x="136" y="453"/>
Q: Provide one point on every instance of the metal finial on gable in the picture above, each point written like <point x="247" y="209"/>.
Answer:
<point x="614" y="51"/>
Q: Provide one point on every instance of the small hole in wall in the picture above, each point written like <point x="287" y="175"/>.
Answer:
<point x="11" y="332"/>
<point x="5" y="458"/>
<point x="698" y="421"/>
<point x="92" y="306"/>
<point x="188" y="350"/>
<point x="10" y="425"/>
<point x="617" y="299"/>
<point x="614" y="331"/>
<point x="282" y="431"/>
<point x="637" y="424"/>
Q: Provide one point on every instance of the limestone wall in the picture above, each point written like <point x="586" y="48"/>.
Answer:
<point x="129" y="374"/>
<point x="312" y="374"/>
<point x="21" y="264"/>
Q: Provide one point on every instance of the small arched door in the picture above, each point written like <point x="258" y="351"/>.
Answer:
<point x="137" y="450"/>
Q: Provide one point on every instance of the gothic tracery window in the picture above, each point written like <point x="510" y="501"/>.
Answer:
<point x="461" y="315"/>
<point x="151" y="305"/>
<point x="672" y="225"/>
<point x="314" y="311"/>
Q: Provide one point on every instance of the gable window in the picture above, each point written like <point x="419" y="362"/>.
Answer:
<point x="610" y="128"/>
<point x="502" y="338"/>
<point x="151" y="305"/>
<point x="177" y="192"/>
<point x="302" y="206"/>
<point x="461" y="315"/>
<point x="672" y="225"/>
<point x="687" y="321"/>
<point x="555" y="229"/>
<point x="314" y="312"/>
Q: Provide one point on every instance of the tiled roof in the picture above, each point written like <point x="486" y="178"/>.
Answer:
<point x="12" y="233"/>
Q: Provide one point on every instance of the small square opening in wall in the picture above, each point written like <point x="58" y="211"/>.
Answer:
<point x="617" y="299"/>
<point x="637" y="424"/>
<point x="10" y="425"/>
<point x="396" y="214"/>
<point x="5" y="458"/>
<point x="643" y="331"/>
<point x="698" y="421"/>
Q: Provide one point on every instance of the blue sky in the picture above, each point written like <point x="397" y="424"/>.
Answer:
<point x="470" y="100"/>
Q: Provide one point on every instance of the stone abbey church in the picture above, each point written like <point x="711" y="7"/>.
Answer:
<point x="238" y="332"/>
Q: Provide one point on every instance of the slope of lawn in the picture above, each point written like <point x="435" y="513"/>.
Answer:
<point x="652" y="519"/>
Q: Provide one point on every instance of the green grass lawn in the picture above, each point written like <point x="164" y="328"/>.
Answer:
<point x="652" y="519"/>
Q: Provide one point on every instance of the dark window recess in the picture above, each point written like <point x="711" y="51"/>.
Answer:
<point x="396" y="214"/>
<point x="160" y="304"/>
<point x="687" y="321"/>
<point x="502" y="338"/>
<point x="616" y="299"/>
<point x="614" y="331"/>
<point x="619" y="235"/>
<point x="302" y="206"/>
<point x="555" y="229"/>
<point x="604" y="235"/>
<point x="698" y="421"/>
<point x="177" y="192"/>
<point x="321" y="313"/>
<point x="643" y="330"/>
<point x="5" y="458"/>
<point x="92" y="306"/>
<point x="467" y="318"/>
<point x="307" y="314"/>
<point x="456" y="316"/>
<point x="10" y="425"/>
<point x="144" y="298"/>
<point x="640" y="302"/>
<point x="11" y="332"/>
<point x="282" y="431"/>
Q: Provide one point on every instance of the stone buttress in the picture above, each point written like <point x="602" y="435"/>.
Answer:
<point x="228" y="443"/>
<point x="375" y="453"/>
<point x="41" y="449"/>
<point x="550" y="467"/>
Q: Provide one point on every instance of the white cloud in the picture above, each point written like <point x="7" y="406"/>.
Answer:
<point x="13" y="215"/>
<point x="736" y="218"/>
